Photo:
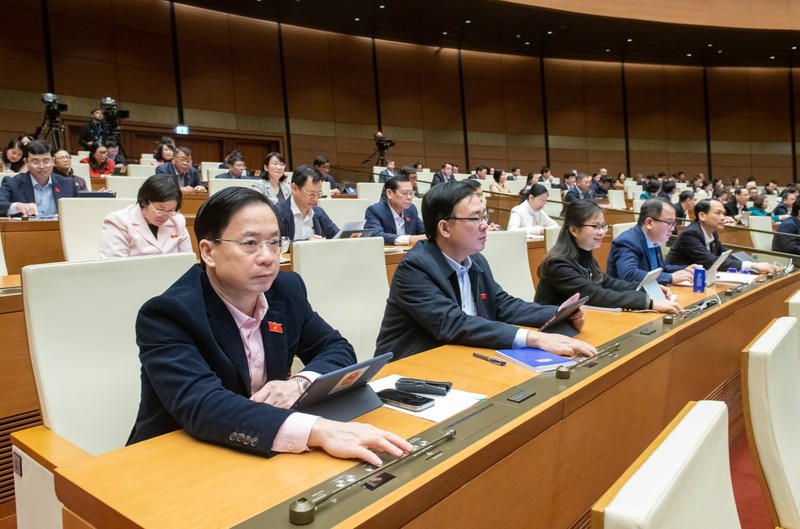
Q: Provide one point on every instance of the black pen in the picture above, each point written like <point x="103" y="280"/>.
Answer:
<point x="494" y="361"/>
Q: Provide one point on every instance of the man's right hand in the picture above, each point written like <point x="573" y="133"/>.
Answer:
<point x="27" y="209"/>
<point x="559" y="344"/>
<point x="353" y="439"/>
<point x="682" y="275"/>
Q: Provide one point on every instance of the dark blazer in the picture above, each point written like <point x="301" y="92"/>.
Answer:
<point x="560" y="278"/>
<point x="780" y="210"/>
<point x="732" y="208"/>
<point x="229" y="176"/>
<point x="574" y="194"/>
<point x="690" y="248"/>
<point x="598" y="191"/>
<point x="91" y="132"/>
<point x="438" y="178"/>
<point x="323" y="225"/>
<point x="194" y="368"/>
<point x="784" y="243"/>
<point x="424" y="307"/>
<point x="192" y="177"/>
<point x="679" y="211"/>
<point x="18" y="188"/>
<point x="385" y="175"/>
<point x="381" y="222"/>
<point x="628" y="258"/>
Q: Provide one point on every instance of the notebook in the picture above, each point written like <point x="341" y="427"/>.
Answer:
<point x="537" y="360"/>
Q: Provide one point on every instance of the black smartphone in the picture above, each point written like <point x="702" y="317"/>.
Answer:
<point x="405" y="400"/>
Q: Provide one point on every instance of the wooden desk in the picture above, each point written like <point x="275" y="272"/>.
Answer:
<point x="543" y="468"/>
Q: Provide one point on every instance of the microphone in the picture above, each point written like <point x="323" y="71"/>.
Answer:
<point x="565" y="372"/>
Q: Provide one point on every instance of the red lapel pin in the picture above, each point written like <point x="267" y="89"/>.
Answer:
<point x="275" y="327"/>
<point x="483" y="296"/>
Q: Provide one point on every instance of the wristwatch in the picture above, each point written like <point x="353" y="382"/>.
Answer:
<point x="302" y="382"/>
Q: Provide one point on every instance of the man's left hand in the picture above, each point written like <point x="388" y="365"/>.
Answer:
<point x="278" y="393"/>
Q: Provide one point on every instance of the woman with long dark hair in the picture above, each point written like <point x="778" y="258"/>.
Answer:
<point x="272" y="183"/>
<point x="570" y="267"/>
<point x="99" y="164"/>
<point x="14" y="157"/>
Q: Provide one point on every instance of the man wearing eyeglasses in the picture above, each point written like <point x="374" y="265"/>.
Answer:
<point x="217" y="347"/>
<point x="395" y="218"/>
<point x="36" y="191"/>
<point x="300" y="218"/>
<point x="182" y="171"/>
<point x="638" y="250"/>
<point x="443" y="291"/>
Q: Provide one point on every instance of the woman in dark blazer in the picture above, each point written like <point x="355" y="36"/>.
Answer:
<point x="569" y="267"/>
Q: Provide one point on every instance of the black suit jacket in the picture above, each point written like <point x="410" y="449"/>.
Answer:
<point x="732" y="208"/>
<point x="784" y="243"/>
<point x="438" y="178"/>
<point x="690" y="248"/>
<point x="424" y="307"/>
<point x="192" y="177"/>
<point x="18" y="188"/>
<point x="195" y="374"/>
<point x="323" y="225"/>
<point x="380" y="220"/>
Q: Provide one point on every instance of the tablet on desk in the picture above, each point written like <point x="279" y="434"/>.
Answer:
<point x="559" y="323"/>
<point x="650" y="285"/>
<point x="343" y="394"/>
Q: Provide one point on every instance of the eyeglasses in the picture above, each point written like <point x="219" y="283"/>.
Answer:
<point x="670" y="223"/>
<point x="482" y="218"/>
<point x="163" y="212"/>
<point x="252" y="245"/>
<point x="596" y="227"/>
<point x="277" y="164"/>
<point x="40" y="163"/>
<point x="313" y="194"/>
<point x="407" y="194"/>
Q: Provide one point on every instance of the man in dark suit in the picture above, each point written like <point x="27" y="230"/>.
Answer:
<point x="387" y="173"/>
<point x="299" y="217"/>
<point x="581" y="191"/>
<point x="568" y="182"/>
<point x="443" y="292"/>
<point x="94" y="130"/>
<point x="395" y="218"/>
<point x="37" y="191"/>
<point x="443" y="175"/>
<point x="237" y="168"/>
<point x="699" y="242"/>
<point x="784" y="207"/>
<point x="686" y="202"/>
<point x="217" y="347"/>
<point x="786" y="243"/>
<point x="638" y="250"/>
<point x="738" y="204"/>
<point x="182" y="172"/>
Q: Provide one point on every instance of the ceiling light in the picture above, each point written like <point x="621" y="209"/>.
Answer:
<point x="357" y="19"/>
<point x="772" y="57"/>
<point x="549" y="32"/>
<point x="527" y="43"/>
<point x="794" y="47"/>
<point x="381" y="7"/>
<point x="688" y="54"/>
<point x="608" y="50"/>
<point x="518" y="35"/>
<point x="468" y="22"/>
<point x="710" y="45"/>
<point x="444" y="33"/>
<point x="630" y="40"/>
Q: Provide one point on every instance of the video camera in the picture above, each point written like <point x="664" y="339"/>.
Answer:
<point x="382" y="143"/>
<point x="52" y="108"/>
<point x="112" y="115"/>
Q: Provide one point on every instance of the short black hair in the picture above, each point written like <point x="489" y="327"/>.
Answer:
<point x="302" y="173"/>
<point x="36" y="147"/>
<point x="703" y="206"/>
<point x="408" y="170"/>
<point x="319" y="161"/>
<point x="216" y="212"/>
<point x="668" y="187"/>
<point x="534" y="191"/>
<point x="545" y="169"/>
<point x="795" y="208"/>
<point x="392" y="183"/>
<point x="652" y="209"/>
<point x="439" y="202"/>
<point x="159" y="188"/>
<point x="233" y="157"/>
<point x="685" y="195"/>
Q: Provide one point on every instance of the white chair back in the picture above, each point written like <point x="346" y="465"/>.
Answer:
<point x="146" y="158"/>
<point x="211" y="174"/>
<point x="376" y="173"/>
<point x="682" y="480"/>
<point x="616" y="199"/>
<point x="554" y="205"/>
<point x="88" y="381"/>
<point x="507" y="253"/>
<point x="637" y="207"/>
<point x="771" y="387"/>
<point x="515" y="185"/>
<point x="635" y="191"/>
<point x="125" y="186"/>
<point x="761" y="241"/>
<point x="619" y="229"/>
<point x="700" y="195"/>
<point x="362" y="260"/>
<point x="369" y="190"/>
<point x="342" y="210"/>
<point x="81" y="220"/>
<point x="326" y="186"/>
<point x="141" y="170"/>
<point x="3" y="266"/>
<point x="218" y="184"/>
<point x="418" y="204"/>
<point x="208" y="166"/>
<point x="550" y="237"/>
<point x="82" y="170"/>
<point x="424" y="181"/>
<point x="83" y="154"/>
<point x="794" y="305"/>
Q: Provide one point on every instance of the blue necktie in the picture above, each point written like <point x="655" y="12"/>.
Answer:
<point x="653" y="257"/>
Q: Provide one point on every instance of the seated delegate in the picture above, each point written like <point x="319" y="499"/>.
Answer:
<point x="217" y="347"/>
<point x="37" y="191"/>
<point x="570" y="267"/>
<point x="152" y="226"/>
<point x="530" y="215"/>
<point x="299" y="217"/>
<point x="394" y="217"/>
<point x="638" y="250"/>
<point x="99" y="163"/>
<point x="443" y="291"/>
<point x="181" y="171"/>
<point x="699" y="242"/>
<point x="783" y="241"/>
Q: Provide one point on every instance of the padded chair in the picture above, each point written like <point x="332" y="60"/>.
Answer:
<point x="616" y="199"/>
<point x="218" y="184"/>
<point x="771" y="394"/>
<point x="637" y="207"/>
<point x="619" y="229"/>
<point x="125" y="186"/>
<point x="342" y="210"/>
<point x="369" y="190"/>
<point x="146" y="158"/>
<point x="554" y="205"/>
<point x="87" y="381"/>
<point x="351" y="270"/>
<point x="682" y="480"/>
<point x="515" y="185"/>
<point x="761" y="241"/>
<point x="550" y="237"/>
<point x="376" y="173"/>
<point x="794" y="305"/>
<point x="141" y="170"/>
<point x="211" y="174"/>
<point x="82" y="170"/>
<point x="700" y="195"/>
<point x="507" y="253"/>
<point x="80" y="220"/>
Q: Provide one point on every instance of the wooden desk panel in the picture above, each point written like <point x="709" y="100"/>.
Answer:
<point x="30" y="242"/>
<point x="595" y="428"/>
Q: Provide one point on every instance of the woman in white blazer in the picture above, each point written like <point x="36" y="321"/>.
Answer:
<point x="152" y="226"/>
<point x="530" y="216"/>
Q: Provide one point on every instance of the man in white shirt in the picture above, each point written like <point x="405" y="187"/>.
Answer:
<point x="395" y="218"/>
<point x="299" y="217"/>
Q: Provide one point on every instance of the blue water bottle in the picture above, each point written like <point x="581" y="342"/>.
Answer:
<point x="699" y="279"/>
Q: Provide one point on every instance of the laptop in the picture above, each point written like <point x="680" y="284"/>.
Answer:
<point x="343" y="394"/>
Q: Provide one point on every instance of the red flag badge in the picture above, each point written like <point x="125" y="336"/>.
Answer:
<point x="483" y="295"/>
<point x="275" y="327"/>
